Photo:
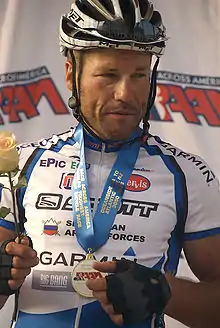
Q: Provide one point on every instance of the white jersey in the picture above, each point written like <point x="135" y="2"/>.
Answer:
<point x="171" y="197"/>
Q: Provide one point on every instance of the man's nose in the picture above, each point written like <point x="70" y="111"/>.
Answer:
<point x="124" y="90"/>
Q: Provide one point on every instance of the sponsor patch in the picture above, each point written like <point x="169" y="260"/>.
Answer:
<point x="137" y="183"/>
<point x="51" y="227"/>
<point x="52" y="281"/>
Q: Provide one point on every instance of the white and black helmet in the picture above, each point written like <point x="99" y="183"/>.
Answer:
<point x="120" y="24"/>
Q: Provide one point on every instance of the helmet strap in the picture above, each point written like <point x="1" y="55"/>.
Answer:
<point x="151" y="97"/>
<point x="74" y="100"/>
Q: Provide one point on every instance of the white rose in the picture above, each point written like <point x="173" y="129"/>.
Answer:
<point x="9" y="157"/>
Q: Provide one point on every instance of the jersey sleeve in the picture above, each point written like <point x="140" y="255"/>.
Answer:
<point x="6" y="198"/>
<point x="203" y="218"/>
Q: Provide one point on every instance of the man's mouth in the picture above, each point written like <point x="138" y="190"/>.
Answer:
<point x="121" y="113"/>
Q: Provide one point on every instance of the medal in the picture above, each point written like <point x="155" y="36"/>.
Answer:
<point x="82" y="272"/>
<point x="92" y="229"/>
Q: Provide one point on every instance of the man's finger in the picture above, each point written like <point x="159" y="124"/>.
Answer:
<point x="108" y="308"/>
<point x="24" y="241"/>
<point x="20" y="250"/>
<point x="19" y="263"/>
<point x="117" y="319"/>
<point x="108" y="267"/>
<point x="15" y="284"/>
<point x="19" y="274"/>
<point x="97" y="284"/>
<point x="101" y="297"/>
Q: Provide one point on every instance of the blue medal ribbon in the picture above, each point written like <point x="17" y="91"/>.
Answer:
<point x="93" y="232"/>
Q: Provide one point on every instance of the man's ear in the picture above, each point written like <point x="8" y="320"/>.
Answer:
<point x="68" y="68"/>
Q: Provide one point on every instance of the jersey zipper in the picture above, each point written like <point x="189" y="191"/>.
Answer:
<point x="99" y="173"/>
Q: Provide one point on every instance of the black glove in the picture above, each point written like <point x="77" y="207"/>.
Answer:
<point x="6" y="261"/>
<point x="137" y="292"/>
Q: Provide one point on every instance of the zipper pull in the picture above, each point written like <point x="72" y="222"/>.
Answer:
<point x="103" y="148"/>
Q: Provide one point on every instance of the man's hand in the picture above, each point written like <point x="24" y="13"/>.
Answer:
<point x="99" y="287"/>
<point x="24" y="258"/>
<point x="132" y="294"/>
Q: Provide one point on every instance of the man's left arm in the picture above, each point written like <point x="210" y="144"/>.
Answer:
<point x="197" y="304"/>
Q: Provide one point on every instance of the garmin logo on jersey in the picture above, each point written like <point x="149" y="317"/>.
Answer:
<point x="48" y="258"/>
<point x="198" y="162"/>
<point x="52" y="162"/>
<point x="137" y="183"/>
<point x="195" y="98"/>
<point x="52" y="201"/>
<point x="22" y="92"/>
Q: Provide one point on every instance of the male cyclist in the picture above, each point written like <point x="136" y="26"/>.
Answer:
<point x="107" y="197"/>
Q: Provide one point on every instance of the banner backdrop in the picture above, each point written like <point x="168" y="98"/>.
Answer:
<point x="33" y="95"/>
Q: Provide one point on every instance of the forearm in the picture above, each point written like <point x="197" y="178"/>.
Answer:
<point x="194" y="304"/>
<point x="3" y="300"/>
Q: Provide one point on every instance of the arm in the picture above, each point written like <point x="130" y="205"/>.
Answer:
<point x="24" y="258"/>
<point x="198" y="304"/>
<point x="5" y="234"/>
<point x="194" y="304"/>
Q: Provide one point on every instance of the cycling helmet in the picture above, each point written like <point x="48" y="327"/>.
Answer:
<point x="122" y="24"/>
<point x="118" y="24"/>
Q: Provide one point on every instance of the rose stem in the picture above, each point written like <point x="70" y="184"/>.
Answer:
<point x="17" y="230"/>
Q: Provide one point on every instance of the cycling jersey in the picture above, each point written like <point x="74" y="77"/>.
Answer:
<point x="171" y="197"/>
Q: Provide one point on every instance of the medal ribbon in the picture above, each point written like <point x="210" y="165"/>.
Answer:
<point x="93" y="232"/>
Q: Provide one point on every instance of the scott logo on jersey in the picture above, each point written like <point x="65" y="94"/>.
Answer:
<point x="52" y="201"/>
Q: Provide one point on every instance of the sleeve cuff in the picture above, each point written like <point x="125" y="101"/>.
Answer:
<point x="201" y="234"/>
<point x="7" y="224"/>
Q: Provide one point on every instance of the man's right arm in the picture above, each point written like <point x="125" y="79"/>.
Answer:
<point x="5" y="234"/>
<point x="24" y="258"/>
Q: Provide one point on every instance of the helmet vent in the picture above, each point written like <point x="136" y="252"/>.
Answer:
<point x="128" y="12"/>
<point x="144" y="5"/>
<point x="96" y="9"/>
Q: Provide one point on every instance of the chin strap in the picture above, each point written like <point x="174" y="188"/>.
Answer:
<point x="152" y="97"/>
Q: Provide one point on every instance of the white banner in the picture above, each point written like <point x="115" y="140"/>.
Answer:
<point x="33" y="95"/>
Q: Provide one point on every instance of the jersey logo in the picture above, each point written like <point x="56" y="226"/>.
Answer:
<point x="54" y="202"/>
<point x="66" y="181"/>
<point x="51" y="227"/>
<point x="129" y="252"/>
<point x="137" y="183"/>
<point x="51" y="162"/>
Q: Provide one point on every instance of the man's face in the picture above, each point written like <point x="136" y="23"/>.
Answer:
<point x="114" y="90"/>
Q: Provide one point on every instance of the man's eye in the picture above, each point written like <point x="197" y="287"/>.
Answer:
<point x="139" y="75"/>
<point x="109" y="75"/>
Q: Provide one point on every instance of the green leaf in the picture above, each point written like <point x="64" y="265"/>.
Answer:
<point x="4" y="211"/>
<point x="22" y="182"/>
